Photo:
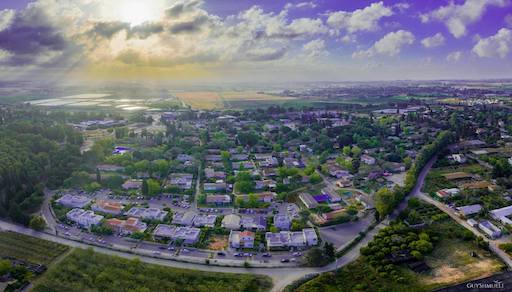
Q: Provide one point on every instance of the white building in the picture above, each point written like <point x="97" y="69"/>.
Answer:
<point x="84" y="218"/>
<point x="502" y="214"/>
<point x="489" y="229"/>
<point x="147" y="213"/>
<point x="186" y="219"/>
<point x="241" y="239"/>
<point x="73" y="201"/>
<point x="286" y="239"/>
<point x="231" y="221"/>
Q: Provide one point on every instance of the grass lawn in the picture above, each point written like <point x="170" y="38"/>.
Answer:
<point x="452" y="263"/>
<point x="85" y="270"/>
<point x="29" y="248"/>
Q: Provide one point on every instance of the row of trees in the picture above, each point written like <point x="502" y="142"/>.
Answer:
<point x="386" y="200"/>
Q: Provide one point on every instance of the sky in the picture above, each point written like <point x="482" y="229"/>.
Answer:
<point x="254" y="41"/>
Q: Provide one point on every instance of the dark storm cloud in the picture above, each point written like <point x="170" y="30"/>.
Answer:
<point x="26" y="41"/>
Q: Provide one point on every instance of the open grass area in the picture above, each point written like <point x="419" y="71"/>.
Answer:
<point x="452" y="263"/>
<point x="85" y="270"/>
<point x="29" y="248"/>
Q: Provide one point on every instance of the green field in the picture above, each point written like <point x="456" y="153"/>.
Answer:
<point x="29" y="248"/>
<point x="85" y="270"/>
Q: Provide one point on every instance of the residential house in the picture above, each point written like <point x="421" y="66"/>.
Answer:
<point x="282" y="221"/>
<point x="367" y="159"/>
<point x="446" y="193"/>
<point x="210" y="173"/>
<point x="469" y="210"/>
<point x="204" y="220"/>
<point x="189" y="235"/>
<point x="218" y="199"/>
<point x="502" y="215"/>
<point x="109" y="168"/>
<point x="128" y="226"/>
<point x="184" y="158"/>
<point x="180" y="180"/>
<point x="132" y="184"/>
<point x="287" y="239"/>
<point x="108" y="207"/>
<point x="231" y="221"/>
<point x="258" y="223"/>
<point x="489" y="229"/>
<point x="239" y="157"/>
<point x="241" y="239"/>
<point x="73" y="201"/>
<point x="147" y="213"/>
<point x="186" y="218"/>
<point x="215" y="187"/>
<point x="84" y="218"/>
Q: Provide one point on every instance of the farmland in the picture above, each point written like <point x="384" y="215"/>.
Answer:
<point x="230" y="99"/>
<point x="29" y="249"/>
<point x="84" y="270"/>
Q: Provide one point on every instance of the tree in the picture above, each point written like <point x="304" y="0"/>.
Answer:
<point x="145" y="188"/>
<point x="384" y="201"/>
<point x="37" y="223"/>
<point x="329" y="250"/>
<point x="5" y="267"/>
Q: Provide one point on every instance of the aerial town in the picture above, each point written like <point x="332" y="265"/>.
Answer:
<point x="255" y="146"/>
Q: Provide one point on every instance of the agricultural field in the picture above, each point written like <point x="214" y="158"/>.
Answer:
<point x="29" y="248"/>
<point x="85" y="270"/>
<point x="230" y="99"/>
<point x="206" y="100"/>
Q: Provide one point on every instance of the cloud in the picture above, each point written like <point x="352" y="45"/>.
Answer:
<point x="365" y="19"/>
<point x="457" y="17"/>
<point x="402" y="6"/>
<point x="390" y="45"/>
<point x="433" y="41"/>
<point x="266" y="54"/>
<point x="301" y="5"/>
<point x="497" y="45"/>
<point x="454" y="56"/>
<point x="184" y="7"/>
<point x="6" y="17"/>
<point x="314" y="49"/>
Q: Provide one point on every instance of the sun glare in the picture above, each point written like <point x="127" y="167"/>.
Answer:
<point x="137" y="12"/>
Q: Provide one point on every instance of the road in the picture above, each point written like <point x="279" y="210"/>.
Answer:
<point x="281" y="276"/>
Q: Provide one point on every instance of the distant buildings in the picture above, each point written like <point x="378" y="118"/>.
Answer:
<point x="204" y="220"/>
<point x="258" y="223"/>
<point x="469" y="210"/>
<point x="84" y="218"/>
<point x="218" y="200"/>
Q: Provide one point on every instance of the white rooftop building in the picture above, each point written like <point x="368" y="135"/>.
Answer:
<point x="147" y="213"/>
<point x="84" y="218"/>
<point x="502" y="214"/>
<point x="73" y="201"/>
